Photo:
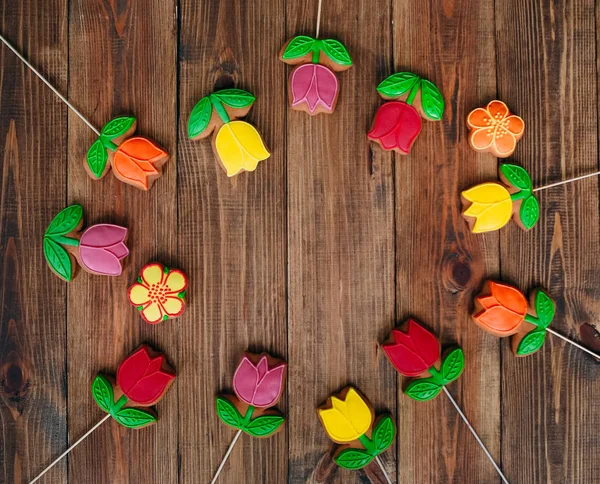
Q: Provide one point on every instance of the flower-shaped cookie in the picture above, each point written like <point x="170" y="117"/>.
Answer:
<point x="159" y="293"/>
<point x="495" y="129"/>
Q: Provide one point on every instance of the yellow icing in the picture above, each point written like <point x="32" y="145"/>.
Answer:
<point x="491" y="206"/>
<point x="347" y="419"/>
<point x="240" y="147"/>
<point x="152" y="274"/>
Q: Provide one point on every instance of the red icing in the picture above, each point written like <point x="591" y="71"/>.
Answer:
<point x="396" y="126"/>
<point x="413" y="352"/>
<point x="141" y="378"/>
<point x="258" y="385"/>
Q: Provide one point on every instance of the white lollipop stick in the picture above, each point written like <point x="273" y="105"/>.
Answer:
<point x="583" y="348"/>
<point x="237" y="436"/>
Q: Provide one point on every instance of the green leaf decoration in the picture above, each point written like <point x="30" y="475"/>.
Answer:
<point x="397" y="84"/>
<point x="200" y="117"/>
<point x="235" y="98"/>
<point x="66" y="221"/>
<point x="532" y="342"/>
<point x="422" y="389"/>
<point x="102" y="392"/>
<point x="264" y="426"/>
<point x="336" y="51"/>
<point x="384" y="433"/>
<point x="96" y="158"/>
<point x="118" y="126"/>
<point x="517" y="176"/>
<point x="530" y="212"/>
<point x="134" y="418"/>
<point x="353" y="459"/>
<point x="432" y="102"/>
<point x="58" y="259"/>
<point x="228" y="413"/>
<point x="453" y="365"/>
<point x="298" y="47"/>
<point x="545" y="308"/>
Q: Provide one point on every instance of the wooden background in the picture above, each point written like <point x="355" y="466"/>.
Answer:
<point x="316" y="255"/>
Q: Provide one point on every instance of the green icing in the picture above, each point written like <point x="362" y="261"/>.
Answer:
<point x="298" y="47"/>
<point x="453" y="365"/>
<point x="384" y="433"/>
<point x="66" y="221"/>
<point x="264" y="425"/>
<point x="532" y="342"/>
<point x="353" y="459"/>
<point x="133" y="418"/>
<point x="58" y="259"/>
<point x="199" y="117"/>
<point x="117" y="127"/>
<point x="228" y="413"/>
<point x="102" y="392"/>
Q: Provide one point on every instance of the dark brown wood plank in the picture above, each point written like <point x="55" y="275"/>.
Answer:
<point x="547" y="74"/>
<point x="33" y="140"/>
<point x="341" y="240"/>
<point x="232" y="235"/>
<point x="439" y="263"/>
<point x="122" y="61"/>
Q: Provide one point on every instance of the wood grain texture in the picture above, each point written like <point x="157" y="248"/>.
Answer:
<point x="341" y="240"/>
<point x="33" y="324"/>
<point x="122" y="61"/>
<point x="439" y="263"/>
<point x="550" y="410"/>
<point x="232" y="235"/>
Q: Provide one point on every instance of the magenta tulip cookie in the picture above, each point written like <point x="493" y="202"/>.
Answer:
<point x="159" y="293"/>
<point x="258" y="385"/>
<point x="313" y="85"/>
<point x="98" y="250"/>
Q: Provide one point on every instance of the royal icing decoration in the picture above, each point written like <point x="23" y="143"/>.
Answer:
<point x="159" y="293"/>
<point x="313" y="85"/>
<point x="491" y="205"/>
<point x="349" y="419"/>
<point x="99" y="249"/>
<point x="142" y="379"/>
<point x="415" y="352"/>
<point x="502" y="310"/>
<point x="495" y="129"/>
<point x="135" y="160"/>
<point x="237" y="144"/>
<point x="258" y="384"/>
<point x="398" y="122"/>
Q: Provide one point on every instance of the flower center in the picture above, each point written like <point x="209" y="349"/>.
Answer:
<point x="158" y="293"/>
<point x="497" y="125"/>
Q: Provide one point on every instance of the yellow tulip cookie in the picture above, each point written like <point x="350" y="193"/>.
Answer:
<point x="491" y="205"/>
<point x="348" y="419"/>
<point x="237" y="144"/>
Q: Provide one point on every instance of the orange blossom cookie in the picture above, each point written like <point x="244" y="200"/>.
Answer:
<point x="495" y="129"/>
<point x="159" y="293"/>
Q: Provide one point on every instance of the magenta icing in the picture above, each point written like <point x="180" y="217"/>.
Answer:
<point x="258" y="385"/>
<point x="315" y="85"/>
<point x="102" y="247"/>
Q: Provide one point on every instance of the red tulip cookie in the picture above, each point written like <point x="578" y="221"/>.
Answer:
<point x="415" y="352"/>
<point x="313" y="85"/>
<point x="159" y="293"/>
<point x="258" y="385"/>
<point x="398" y="122"/>
<point x="98" y="250"/>
<point x="142" y="380"/>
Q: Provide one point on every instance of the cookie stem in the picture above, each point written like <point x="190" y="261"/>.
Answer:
<point x="413" y="93"/>
<point x="367" y="444"/>
<point x="61" y="239"/>
<point x="220" y="109"/>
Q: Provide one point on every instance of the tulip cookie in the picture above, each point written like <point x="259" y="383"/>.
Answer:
<point x="491" y="205"/>
<point x="348" y="419"/>
<point x="258" y="384"/>
<point x="313" y="85"/>
<point x="142" y="379"/>
<point x="237" y="144"/>
<point x="415" y="352"/>
<point x="398" y="122"/>
<point x="159" y="293"/>
<point x="495" y="129"/>
<point x="502" y="310"/>
<point x="134" y="160"/>
<point x="99" y="249"/>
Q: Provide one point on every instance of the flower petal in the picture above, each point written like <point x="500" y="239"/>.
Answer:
<point x="505" y="144"/>
<point x="152" y="313"/>
<point x="245" y="380"/>
<point x="103" y="235"/>
<point x="240" y="147"/>
<point x="173" y="306"/>
<point x="175" y="281"/>
<point x="139" y="295"/>
<point x="515" y="125"/>
<point x="481" y="139"/>
<point x="152" y="273"/>
<point x="337" y="425"/>
<point x="479" y="118"/>
<point x="269" y="388"/>
<point x="498" y="110"/>
<point x="359" y="412"/>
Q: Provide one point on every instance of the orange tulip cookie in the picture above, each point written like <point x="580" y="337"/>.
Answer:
<point x="159" y="293"/>
<point x="134" y="160"/>
<point x="495" y="129"/>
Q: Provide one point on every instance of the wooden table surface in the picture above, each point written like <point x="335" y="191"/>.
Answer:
<point x="314" y="257"/>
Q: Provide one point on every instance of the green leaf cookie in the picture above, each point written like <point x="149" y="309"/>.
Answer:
<point x="432" y="102"/>
<point x="353" y="459"/>
<point x="397" y="84"/>
<point x="298" y="47"/>
<point x="516" y="176"/>
<point x="200" y="117"/>
<point x="453" y="365"/>
<point x="228" y="413"/>
<point x="544" y="308"/>
<point x="384" y="433"/>
<point x="134" y="417"/>
<point x="66" y="221"/>
<point x="530" y="212"/>
<point x="422" y="389"/>
<point x="264" y="426"/>
<point x="118" y="126"/>
<point x="58" y="259"/>
<point x="235" y="98"/>
<point x="532" y="342"/>
<point x="336" y="51"/>
<point x="102" y="392"/>
<point x="96" y="158"/>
